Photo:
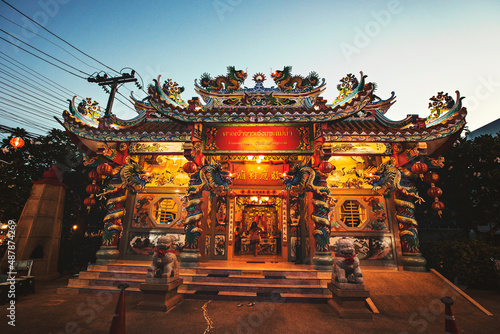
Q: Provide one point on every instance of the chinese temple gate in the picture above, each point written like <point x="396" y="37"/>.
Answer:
<point x="308" y="172"/>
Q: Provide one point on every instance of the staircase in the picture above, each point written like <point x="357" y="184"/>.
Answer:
<point x="254" y="284"/>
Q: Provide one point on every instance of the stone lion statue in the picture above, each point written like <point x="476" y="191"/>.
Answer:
<point x="346" y="266"/>
<point x="164" y="259"/>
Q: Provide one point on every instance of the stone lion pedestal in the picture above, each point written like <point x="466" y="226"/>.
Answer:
<point x="160" y="294"/>
<point x="349" y="300"/>
<point x="348" y="291"/>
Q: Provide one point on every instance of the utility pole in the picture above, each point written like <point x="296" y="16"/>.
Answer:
<point x="113" y="82"/>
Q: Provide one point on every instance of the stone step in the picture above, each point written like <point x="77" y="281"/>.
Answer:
<point x="257" y="288"/>
<point x="239" y="296"/>
<point x="111" y="274"/>
<point x="118" y="268"/>
<point x="254" y="272"/>
<point x="96" y="290"/>
<point x="251" y="284"/>
<point x="109" y="282"/>
<point x="252" y="280"/>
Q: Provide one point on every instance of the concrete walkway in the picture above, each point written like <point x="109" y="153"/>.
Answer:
<point x="408" y="303"/>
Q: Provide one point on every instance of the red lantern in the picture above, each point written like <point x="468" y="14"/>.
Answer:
<point x="419" y="168"/>
<point x="104" y="170"/>
<point x="16" y="142"/>
<point x="283" y="194"/>
<point x="434" y="192"/>
<point x="438" y="206"/>
<point x="89" y="201"/>
<point x="325" y="167"/>
<point x="92" y="189"/>
<point x="94" y="176"/>
<point x="231" y="194"/>
<point x="190" y="167"/>
<point x="431" y="177"/>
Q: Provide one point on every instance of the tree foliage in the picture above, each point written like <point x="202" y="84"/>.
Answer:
<point x="27" y="164"/>
<point x="471" y="184"/>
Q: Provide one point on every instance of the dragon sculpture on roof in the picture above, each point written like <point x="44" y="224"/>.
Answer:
<point x="230" y="82"/>
<point x="286" y="81"/>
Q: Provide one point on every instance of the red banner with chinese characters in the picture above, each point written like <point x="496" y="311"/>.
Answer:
<point x="275" y="138"/>
<point x="255" y="174"/>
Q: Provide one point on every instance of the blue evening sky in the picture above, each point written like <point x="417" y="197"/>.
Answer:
<point x="415" y="48"/>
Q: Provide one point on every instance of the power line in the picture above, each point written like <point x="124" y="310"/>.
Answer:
<point x="24" y="28"/>
<point x="126" y="98"/>
<point x="26" y="119"/>
<point x="57" y="97"/>
<point x="57" y="36"/>
<point x="39" y="90"/>
<point x="27" y="122"/>
<point x="31" y="46"/>
<point x="28" y="84"/>
<point x="34" y="112"/>
<point x="10" y="130"/>
<point x="34" y="96"/>
<point x="55" y="83"/>
<point x="45" y="60"/>
<point x="40" y="109"/>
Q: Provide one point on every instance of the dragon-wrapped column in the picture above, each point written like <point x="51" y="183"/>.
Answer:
<point x="389" y="180"/>
<point x="304" y="179"/>
<point x="322" y="259"/>
<point x="408" y="229"/>
<point x="127" y="178"/>
<point x="115" y="210"/>
<point x="190" y="256"/>
<point x="213" y="179"/>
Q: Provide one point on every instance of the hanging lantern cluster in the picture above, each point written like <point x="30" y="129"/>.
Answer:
<point x="16" y="142"/>
<point x="104" y="170"/>
<point x="420" y="168"/>
<point x="434" y="192"/>
<point x="92" y="189"/>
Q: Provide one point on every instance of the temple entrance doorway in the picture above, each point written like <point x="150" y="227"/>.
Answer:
<point x="268" y="211"/>
<point x="256" y="195"/>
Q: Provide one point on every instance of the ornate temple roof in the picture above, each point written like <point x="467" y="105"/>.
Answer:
<point x="356" y="114"/>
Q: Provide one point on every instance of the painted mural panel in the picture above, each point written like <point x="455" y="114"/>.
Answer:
<point x="220" y="245"/>
<point x="165" y="170"/>
<point x="374" y="248"/>
<point x="143" y="243"/>
<point x="349" y="172"/>
<point x="141" y="218"/>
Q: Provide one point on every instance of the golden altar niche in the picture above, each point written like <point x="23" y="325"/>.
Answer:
<point x="265" y="212"/>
